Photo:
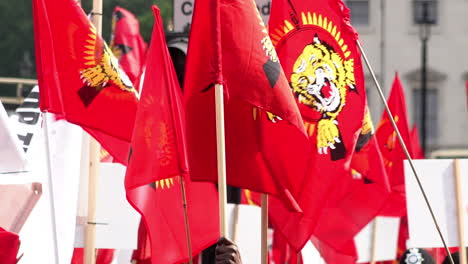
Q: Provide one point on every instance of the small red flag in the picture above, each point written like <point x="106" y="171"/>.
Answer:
<point x="394" y="155"/>
<point x="158" y="159"/>
<point x="9" y="246"/>
<point x="127" y="44"/>
<point x="79" y="78"/>
<point x="418" y="152"/>
<point x="317" y="49"/>
<point x="391" y="149"/>
<point x="266" y="146"/>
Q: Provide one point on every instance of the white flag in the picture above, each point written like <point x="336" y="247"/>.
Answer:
<point x="12" y="158"/>
<point x="65" y="142"/>
<point x="27" y="119"/>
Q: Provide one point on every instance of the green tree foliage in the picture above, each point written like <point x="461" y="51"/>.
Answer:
<point x="17" y="37"/>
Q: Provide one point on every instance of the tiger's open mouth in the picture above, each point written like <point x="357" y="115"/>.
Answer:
<point x="326" y="94"/>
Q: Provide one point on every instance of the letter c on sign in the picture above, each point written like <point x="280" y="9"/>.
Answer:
<point x="187" y="8"/>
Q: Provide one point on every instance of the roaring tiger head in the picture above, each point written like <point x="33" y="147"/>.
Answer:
<point x="320" y="78"/>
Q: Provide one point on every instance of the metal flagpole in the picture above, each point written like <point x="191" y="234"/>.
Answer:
<point x="387" y="109"/>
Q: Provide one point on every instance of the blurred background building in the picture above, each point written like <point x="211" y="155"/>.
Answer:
<point x="392" y="37"/>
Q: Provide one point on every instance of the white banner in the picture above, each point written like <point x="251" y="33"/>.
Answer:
<point x="12" y="158"/>
<point x="438" y="180"/>
<point x="36" y="235"/>
<point x="386" y="239"/>
<point x="248" y="231"/>
<point x="117" y="221"/>
<point x="27" y="118"/>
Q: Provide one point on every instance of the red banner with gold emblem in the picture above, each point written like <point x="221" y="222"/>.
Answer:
<point x="78" y="76"/>
<point x="267" y="149"/>
<point x="316" y="46"/>
<point x="158" y="158"/>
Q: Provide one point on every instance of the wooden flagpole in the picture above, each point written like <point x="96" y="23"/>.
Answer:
<point x="187" y="226"/>
<point x="374" y="242"/>
<point x="94" y="160"/>
<point x="90" y="231"/>
<point x="51" y="188"/>
<point x="460" y="212"/>
<point x="264" y="250"/>
<point x="221" y="150"/>
<point x="403" y="145"/>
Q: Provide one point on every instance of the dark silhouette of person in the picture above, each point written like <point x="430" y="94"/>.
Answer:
<point x="455" y="257"/>
<point x="227" y="252"/>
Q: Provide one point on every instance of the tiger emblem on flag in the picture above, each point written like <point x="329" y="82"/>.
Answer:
<point x="320" y="79"/>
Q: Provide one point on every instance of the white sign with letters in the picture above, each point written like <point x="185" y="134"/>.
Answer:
<point x="183" y="11"/>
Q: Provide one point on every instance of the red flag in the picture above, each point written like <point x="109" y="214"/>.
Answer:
<point x="127" y="44"/>
<point x="394" y="155"/>
<point x="9" y="246"/>
<point x="143" y="251"/>
<point x="282" y="252"/>
<point x="266" y="146"/>
<point x="158" y="158"/>
<point x="251" y="198"/>
<point x="330" y="255"/>
<point x="418" y="152"/>
<point x="78" y="76"/>
<point x="317" y="49"/>
<point x="391" y="149"/>
<point x="355" y="202"/>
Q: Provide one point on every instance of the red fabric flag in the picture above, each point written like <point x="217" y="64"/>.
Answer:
<point x="158" y="159"/>
<point x="281" y="252"/>
<point x="355" y="201"/>
<point x="9" y="246"/>
<point x="78" y="76"/>
<point x="317" y="49"/>
<point x="266" y="146"/>
<point x="331" y="255"/>
<point x="418" y="152"/>
<point x="127" y="44"/>
<point x="143" y="252"/>
<point x="251" y="198"/>
<point x="391" y="149"/>
<point x="394" y="155"/>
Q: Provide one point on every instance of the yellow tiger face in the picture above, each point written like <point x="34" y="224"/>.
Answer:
<point x="320" y="78"/>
